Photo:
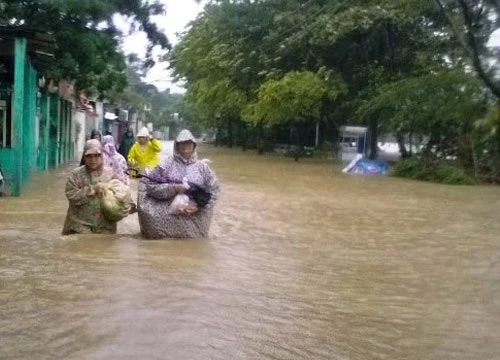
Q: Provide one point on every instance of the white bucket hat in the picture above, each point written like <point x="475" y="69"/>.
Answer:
<point x="185" y="135"/>
<point x="144" y="132"/>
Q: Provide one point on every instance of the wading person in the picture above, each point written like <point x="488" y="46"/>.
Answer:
<point x="126" y="144"/>
<point x="164" y="183"/>
<point x="94" y="134"/>
<point x="145" y="153"/>
<point x="83" y="187"/>
<point x="114" y="159"/>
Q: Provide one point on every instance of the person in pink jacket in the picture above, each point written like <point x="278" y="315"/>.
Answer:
<point x="114" y="159"/>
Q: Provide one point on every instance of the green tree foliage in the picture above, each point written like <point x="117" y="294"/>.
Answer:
<point x="486" y="141"/>
<point x="298" y="96"/>
<point x="87" y="39"/>
<point x="472" y="23"/>
<point x="432" y="170"/>
<point x="440" y="107"/>
<point x="416" y="69"/>
<point x="245" y="44"/>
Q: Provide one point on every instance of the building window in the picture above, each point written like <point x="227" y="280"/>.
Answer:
<point x="5" y="119"/>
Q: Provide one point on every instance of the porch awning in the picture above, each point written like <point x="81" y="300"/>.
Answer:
<point x="110" y="116"/>
<point x="40" y="44"/>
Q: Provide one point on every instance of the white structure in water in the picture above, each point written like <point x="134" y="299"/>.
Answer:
<point x="353" y="140"/>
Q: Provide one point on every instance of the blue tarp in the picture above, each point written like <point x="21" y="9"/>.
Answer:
<point x="370" y="167"/>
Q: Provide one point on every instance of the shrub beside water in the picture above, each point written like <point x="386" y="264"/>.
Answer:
<point x="432" y="170"/>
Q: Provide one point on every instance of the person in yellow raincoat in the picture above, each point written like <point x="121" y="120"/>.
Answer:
<point x="145" y="153"/>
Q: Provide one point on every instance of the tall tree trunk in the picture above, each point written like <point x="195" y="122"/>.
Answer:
<point x="296" y="140"/>
<point x="260" y="139"/>
<point x="230" y="133"/>
<point x="410" y="143"/>
<point x="243" y="135"/>
<point x="470" y="44"/>
<point x="373" y="137"/>
<point x="218" y="132"/>
<point x="433" y="140"/>
<point x="401" y="143"/>
<point x="299" y="145"/>
<point x="474" y="157"/>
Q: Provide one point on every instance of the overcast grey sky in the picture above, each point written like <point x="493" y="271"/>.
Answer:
<point x="179" y="14"/>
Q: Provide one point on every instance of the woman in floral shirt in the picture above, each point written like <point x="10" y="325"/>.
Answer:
<point x="82" y="189"/>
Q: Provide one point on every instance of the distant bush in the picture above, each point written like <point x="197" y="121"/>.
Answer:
<point x="325" y="150"/>
<point x="432" y="170"/>
<point x="305" y="151"/>
<point x="327" y="146"/>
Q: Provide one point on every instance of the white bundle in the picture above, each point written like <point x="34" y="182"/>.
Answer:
<point x="181" y="201"/>
<point x="115" y="200"/>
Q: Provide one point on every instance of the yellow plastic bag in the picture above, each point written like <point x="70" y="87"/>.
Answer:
<point x="116" y="200"/>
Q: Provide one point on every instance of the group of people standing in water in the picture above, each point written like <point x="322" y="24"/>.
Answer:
<point x="161" y="180"/>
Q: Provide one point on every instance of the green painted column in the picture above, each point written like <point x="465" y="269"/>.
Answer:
<point x="34" y="91"/>
<point x="46" y="138"/>
<point x="26" y="152"/>
<point x="52" y="129"/>
<point x="32" y="117"/>
<point x="68" y="131"/>
<point x="18" y="113"/>
<point x="63" y="132"/>
<point x="29" y="121"/>
<point x="41" y="139"/>
<point x="59" y="132"/>
<point x="44" y="154"/>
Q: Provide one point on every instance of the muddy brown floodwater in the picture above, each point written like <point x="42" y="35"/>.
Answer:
<point x="303" y="262"/>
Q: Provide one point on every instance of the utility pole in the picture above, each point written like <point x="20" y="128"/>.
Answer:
<point x="316" y="142"/>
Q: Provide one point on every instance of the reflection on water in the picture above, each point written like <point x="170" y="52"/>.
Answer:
<point x="303" y="263"/>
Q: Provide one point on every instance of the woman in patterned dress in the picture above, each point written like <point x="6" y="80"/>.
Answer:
<point x="82" y="189"/>
<point x="155" y="198"/>
<point x="114" y="159"/>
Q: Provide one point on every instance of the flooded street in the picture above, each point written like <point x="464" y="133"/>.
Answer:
<point x="303" y="262"/>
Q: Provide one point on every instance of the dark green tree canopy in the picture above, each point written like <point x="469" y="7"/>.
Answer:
<point x="472" y="23"/>
<point x="87" y="39"/>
